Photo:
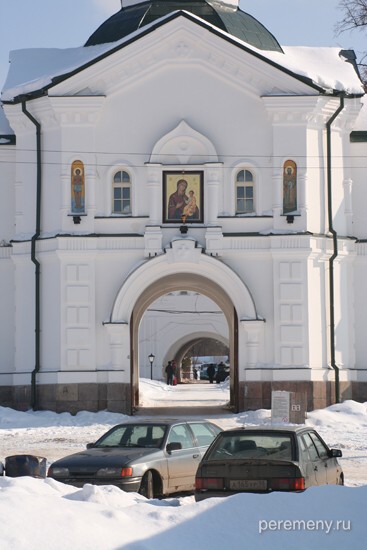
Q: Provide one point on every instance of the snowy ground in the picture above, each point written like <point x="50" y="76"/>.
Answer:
<point x="46" y="515"/>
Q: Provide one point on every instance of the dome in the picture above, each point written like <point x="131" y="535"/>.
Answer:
<point x="230" y="19"/>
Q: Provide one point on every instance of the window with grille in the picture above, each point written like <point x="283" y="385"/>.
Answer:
<point x="121" y="193"/>
<point x="245" y="199"/>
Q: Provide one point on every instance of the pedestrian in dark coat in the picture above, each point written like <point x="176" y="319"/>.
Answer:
<point x="170" y="371"/>
<point x="211" y="372"/>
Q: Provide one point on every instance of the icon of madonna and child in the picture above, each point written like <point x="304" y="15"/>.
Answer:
<point x="185" y="201"/>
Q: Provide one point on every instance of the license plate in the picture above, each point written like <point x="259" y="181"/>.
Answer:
<point x="248" y="484"/>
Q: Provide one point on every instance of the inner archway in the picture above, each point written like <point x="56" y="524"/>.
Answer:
<point x="200" y="352"/>
<point x="173" y="324"/>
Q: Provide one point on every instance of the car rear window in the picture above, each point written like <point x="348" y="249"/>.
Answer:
<point x="276" y="446"/>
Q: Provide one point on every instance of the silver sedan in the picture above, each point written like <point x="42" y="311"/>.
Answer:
<point x="153" y="458"/>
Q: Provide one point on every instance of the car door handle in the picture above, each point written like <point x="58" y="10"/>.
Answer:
<point x="195" y="456"/>
<point x="315" y="468"/>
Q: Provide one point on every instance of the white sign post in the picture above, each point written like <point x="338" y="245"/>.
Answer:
<point x="288" y="407"/>
<point x="280" y="402"/>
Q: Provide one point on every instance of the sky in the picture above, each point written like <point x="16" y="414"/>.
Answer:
<point x="69" y="23"/>
<point x="42" y="514"/>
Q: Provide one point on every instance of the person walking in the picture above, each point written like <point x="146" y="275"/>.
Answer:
<point x="211" y="372"/>
<point x="221" y="373"/>
<point x="170" y="371"/>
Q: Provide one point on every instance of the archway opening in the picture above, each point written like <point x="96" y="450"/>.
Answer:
<point x="170" y="318"/>
<point x="189" y="330"/>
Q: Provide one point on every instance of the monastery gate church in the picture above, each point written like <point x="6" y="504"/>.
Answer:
<point x="182" y="157"/>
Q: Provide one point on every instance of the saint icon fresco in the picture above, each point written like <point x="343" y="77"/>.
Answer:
<point x="289" y="187"/>
<point x="77" y="187"/>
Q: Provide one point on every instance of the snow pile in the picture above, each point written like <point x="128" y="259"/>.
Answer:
<point x="44" y="514"/>
<point x="341" y="416"/>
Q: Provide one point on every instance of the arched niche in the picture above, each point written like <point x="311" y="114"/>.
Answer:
<point x="183" y="145"/>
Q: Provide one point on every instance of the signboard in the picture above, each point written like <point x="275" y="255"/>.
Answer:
<point x="280" y="402"/>
<point x="288" y="407"/>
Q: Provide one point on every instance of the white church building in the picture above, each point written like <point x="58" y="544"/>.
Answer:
<point x="182" y="160"/>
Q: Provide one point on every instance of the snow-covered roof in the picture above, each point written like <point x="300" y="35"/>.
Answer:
<point x="325" y="66"/>
<point x="32" y="70"/>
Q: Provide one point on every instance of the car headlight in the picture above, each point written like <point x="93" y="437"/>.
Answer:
<point x="115" y="472"/>
<point x="55" y="471"/>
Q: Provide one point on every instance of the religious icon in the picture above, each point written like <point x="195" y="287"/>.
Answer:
<point x="182" y="197"/>
<point x="289" y="187"/>
<point x="77" y="187"/>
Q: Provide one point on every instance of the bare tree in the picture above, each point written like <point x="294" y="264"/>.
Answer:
<point x="354" y="17"/>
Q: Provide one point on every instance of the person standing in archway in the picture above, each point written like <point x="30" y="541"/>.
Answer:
<point x="211" y="372"/>
<point x="170" y="371"/>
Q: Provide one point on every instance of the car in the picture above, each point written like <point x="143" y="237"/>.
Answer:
<point x="153" y="458"/>
<point x="266" y="459"/>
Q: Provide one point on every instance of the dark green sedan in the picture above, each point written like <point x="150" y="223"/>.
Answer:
<point x="266" y="459"/>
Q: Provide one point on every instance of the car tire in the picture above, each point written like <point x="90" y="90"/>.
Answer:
<point x="147" y="485"/>
<point x="341" y="480"/>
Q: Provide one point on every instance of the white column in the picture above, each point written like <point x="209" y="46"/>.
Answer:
<point x="253" y="335"/>
<point x="348" y="208"/>
<point x="154" y="182"/>
<point x="301" y="193"/>
<point x="214" y="178"/>
<point x="120" y="347"/>
<point x="277" y="194"/>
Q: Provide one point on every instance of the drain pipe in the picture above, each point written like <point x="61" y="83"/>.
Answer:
<point x="335" y="248"/>
<point x="34" y="259"/>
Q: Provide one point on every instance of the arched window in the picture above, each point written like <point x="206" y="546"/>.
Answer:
<point x="121" y="193"/>
<point x="289" y="186"/>
<point x="244" y="192"/>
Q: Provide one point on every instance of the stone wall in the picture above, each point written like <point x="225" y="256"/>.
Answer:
<point x="74" y="398"/>
<point x="70" y="398"/>
<point x="257" y="395"/>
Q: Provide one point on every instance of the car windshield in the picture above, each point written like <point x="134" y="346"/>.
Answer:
<point x="134" y="435"/>
<point x="275" y="446"/>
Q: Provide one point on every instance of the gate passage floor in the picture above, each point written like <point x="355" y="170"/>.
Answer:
<point x="194" y="398"/>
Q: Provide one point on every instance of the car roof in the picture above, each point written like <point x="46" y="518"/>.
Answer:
<point x="273" y="428"/>
<point x="160" y="421"/>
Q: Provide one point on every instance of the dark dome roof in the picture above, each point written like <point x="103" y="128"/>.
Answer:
<point x="233" y="21"/>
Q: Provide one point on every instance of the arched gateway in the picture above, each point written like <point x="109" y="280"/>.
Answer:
<point x="184" y="266"/>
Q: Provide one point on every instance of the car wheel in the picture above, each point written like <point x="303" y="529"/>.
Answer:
<point x="341" y="480"/>
<point x="147" y="486"/>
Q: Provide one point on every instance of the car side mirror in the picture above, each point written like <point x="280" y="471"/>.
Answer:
<point x="335" y="453"/>
<point x="174" y="446"/>
<point x="90" y="445"/>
